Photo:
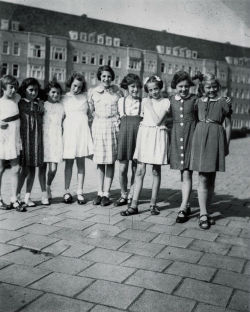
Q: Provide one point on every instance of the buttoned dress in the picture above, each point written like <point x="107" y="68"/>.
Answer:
<point x="130" y="116"/>
<point x="77" y="139"/>
<point x="52" y="132"/>
<point x="10" y="140"/>
<point x="184" y="115"/>
<point x="105" y="128"/>
<point x="152" y="142"/>
<point x="209" y="145"/>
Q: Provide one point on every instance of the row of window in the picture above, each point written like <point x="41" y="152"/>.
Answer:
<point x="240" y="94"/>
<point x="13" y="70"/>
<point x="6" y="48"/>
<point x="240" y="79"/>
<point x="93" y="59"/>
<point x="172" y="68"/>
<point x="239" y="124"/>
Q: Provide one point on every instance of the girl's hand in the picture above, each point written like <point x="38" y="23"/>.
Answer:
<point x="40" y="106"/>
<point x="4" y="125"/>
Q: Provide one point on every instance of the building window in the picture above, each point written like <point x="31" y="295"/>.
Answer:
<point x="16" y="49"/>
<point x="4" y="24"/>
<point x="75" y="57"/>
<point x="117" y="42"/>
<point x="168" y="50"/>
<point x="92" y="79"/>
<point x="170" y="69"/>
<point x="4" y="69"/>
<point x="58" y="53"/>
<point x="92" y="37"/>
<point x="58" y="74"/>
<point x="36" y="71"/>
<point x="15" y="70"/>
<point x="101" y="60"/>
<point x="117" y="62"/>
<point x="100" y="39"/>
<point x="194" y="54"/>
<point x="93" y="59"/>
<point x="117" y="79"/>
<point x="134" y="63"/>
<point x="15" y="26"/>
<point x="162" y="67"/>
<point x="36" y="51"/>
<point x="110" y="61"/>
<point x="73" y="35"/>
<point x="151" y="66"/>
<point x="109" y="41"/>
<point x="6" y="47"/>
<point x="84" y="58"/>
<point x="176" y="67"/>
<point x="83" y="36"/>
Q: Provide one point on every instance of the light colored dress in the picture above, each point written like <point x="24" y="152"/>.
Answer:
<point x="77" y="140"/>
<point x="52" y="132"/>
<point x="152" y="141"/>
<point x="10" y="140"/>
<point x="105" y="128"/>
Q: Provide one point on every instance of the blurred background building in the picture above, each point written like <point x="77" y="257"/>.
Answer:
<point x="44" y="44"/>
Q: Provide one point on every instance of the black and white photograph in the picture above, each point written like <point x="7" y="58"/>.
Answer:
<point x="124" y="156"/>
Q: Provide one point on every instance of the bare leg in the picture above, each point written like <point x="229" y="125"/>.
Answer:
<point x="30" y="179"/>
<point x="80" y="162"/>
<point x="22" y="176"/>
<point x="100" y="178"/>
<point x="2" y="169"/>
<point x="15" y="168"/>
<point x="211" y="185"/>
<point x="186" y="178"/>
<point x="51" y="173"/>
<point x="68" y="173"/>
<point x="109" y="175"/>
<point x="42" y="176"/>
<point x="203" y="193"/>
<point x="139" y="177"/>
<point x="132" y="181"/>
<point x="156" y="171"/>
<point x="123" y="177"/>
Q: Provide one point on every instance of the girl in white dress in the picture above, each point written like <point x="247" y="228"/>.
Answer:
<point x="151" y="144"/>
<point x="10" y="140"/>
<point x="52" y="135"/>
<point x="77" y="140"/>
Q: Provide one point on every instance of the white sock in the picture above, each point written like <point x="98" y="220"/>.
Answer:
<point x="44" y="195"/>
<point x="100" y="193"/>
<point x="79" y="192"/>
<point x="27" y="197"/>
<point x="106" y="194"/>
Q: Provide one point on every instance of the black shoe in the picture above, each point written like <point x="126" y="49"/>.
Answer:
<point x="67" y="198"/>
<point x="204" y="224"/>
<point x="129" y="212"/>
<point x="120" y="202"/>
<point x="3" y="206"/>
<point x="154" y="210"/>
<point x="20" y="207"/>
<point x="182" y="216"/>
<point x="97" y="200"/>
<point x="105" y="201"/>
<point x="81" y="199"/>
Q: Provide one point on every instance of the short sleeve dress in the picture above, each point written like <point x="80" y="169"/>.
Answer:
<point x="209" y="145"/>
<point x="77" y="139"/>
<point x="10" y="141"/>
<point x="105" y="127"/>
<point x="184" y="115"/>
<point x="152" y="142"/>
<point x="52" y="132"/>
<point x="31" y="129"/>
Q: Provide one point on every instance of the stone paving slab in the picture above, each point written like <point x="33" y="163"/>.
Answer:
<point x="106" y="256"/>
<point x="55" y="303"/>
<point x="101" y="308"/>
<point x="174" y="253"/>
<point x="142" y="248"/>
<point x="15" y="297"/>
<point x="6" y="235"/>
<point x="172" y="240"/>
<point x="112" y="294"/>
<point x="232" y="279"/>
<point x="201" y="307"/>
<point x="240" y="301"/>
<point x="5" y="249"/>
<point x="210" y="247"/>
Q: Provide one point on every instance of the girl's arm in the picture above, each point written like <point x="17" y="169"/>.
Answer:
<point x="157" y="119"/>
<point x="228" y="129"/>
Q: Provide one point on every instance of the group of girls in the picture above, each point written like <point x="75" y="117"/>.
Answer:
<point x="106" y="125"/>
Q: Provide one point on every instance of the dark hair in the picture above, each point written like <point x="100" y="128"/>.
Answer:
<point x="179" y="76"/>
<point x="8" y="79"/>
<point x="130" y="79"/>
<point x="53" y="84"/>
<point x="155" y="79"/>
<point x="105" y="68"/>
<point x="78" y="77"/>
<point x="28" y="82"/>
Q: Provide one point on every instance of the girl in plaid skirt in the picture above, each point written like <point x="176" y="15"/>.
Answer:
<point x="130" y="114"/>
<point x="103" y="104"/>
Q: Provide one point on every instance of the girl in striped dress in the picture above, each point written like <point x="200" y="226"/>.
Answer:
<point x="103" y="101"/>
<point x="130" y="114"/>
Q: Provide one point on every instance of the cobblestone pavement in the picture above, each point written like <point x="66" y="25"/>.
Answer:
<point x="83" y="258"/>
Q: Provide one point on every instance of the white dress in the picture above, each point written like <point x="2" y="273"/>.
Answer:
<point x="52" y="132"/>
<point x="77" y="140"/>
<point x="10" y="140"/>
<point x="153" y="141"/>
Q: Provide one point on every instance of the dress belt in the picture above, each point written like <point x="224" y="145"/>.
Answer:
<point x="210" y="121"/>
<point x="12" y="118"/>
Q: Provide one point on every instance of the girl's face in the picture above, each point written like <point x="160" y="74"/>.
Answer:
<point x="154" y="91"/>
<point x="133" y="90"/>
<point x="31" y="92"/>
<point x="9" y="91"/>
<point x="106" y="79"/>
<point x="182" y="88"/>
<point x="211" y="89"/>
<point x="76" y="87"/>
<point x="54" y="95"/>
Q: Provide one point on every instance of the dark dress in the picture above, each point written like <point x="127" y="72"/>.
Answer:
<point x="184" y="120"/>
<point x="31" y="121"/>
<point x="209" y="142"/>
<point x="127" y="134"/>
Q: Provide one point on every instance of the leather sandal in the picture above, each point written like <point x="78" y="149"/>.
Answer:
<point x="81" y="199"/>
<point x="120" y="202"/>
<point x="20" y="207"/>
<point x="182" y="216"/>
<point x="204" y="224"/>
<point x="3" y="206"/>
<point x="129" y="212"/>
<point x="67" y="198"/>
<point x="154" y="210"/>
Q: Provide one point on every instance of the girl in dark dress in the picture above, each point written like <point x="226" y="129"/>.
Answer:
<point x="210" y="142"/>
<point x="183" y="108"/>
<point x="31" y="121"/>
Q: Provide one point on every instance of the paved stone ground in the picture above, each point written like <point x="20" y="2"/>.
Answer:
<point x="83" y="258"/>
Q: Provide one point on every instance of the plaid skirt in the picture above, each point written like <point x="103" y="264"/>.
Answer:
<point x="105" y="133"/>
<point x="127" y="137"/>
